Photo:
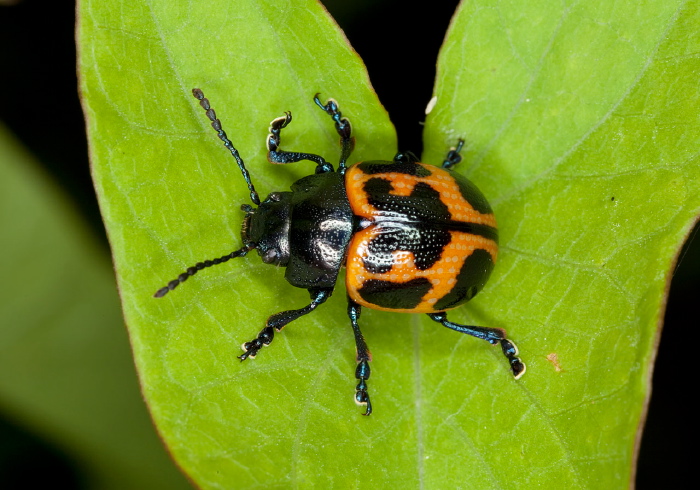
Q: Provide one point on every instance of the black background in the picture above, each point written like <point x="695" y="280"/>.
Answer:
<point x="39" y="103"/>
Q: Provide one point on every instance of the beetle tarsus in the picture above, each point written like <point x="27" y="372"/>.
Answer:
<point x="510" y="350"/>
<point x="453" y="157"/>
<point x="265" y="337"/>
<point x="361" y="396"/>
<point x="273" y="139"/>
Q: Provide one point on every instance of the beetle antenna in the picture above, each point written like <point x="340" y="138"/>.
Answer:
<point x="191" y="271"/>
<point x="216" y="124"/>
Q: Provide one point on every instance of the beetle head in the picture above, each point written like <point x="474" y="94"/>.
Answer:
<point x="267" y="226"/>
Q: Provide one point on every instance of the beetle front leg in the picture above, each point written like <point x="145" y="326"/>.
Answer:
<point x="279" y="320"/>
<point x="362" y="371"/>
<point x="280" y="157"/>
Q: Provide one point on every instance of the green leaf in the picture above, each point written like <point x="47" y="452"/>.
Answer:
<point x="67" y="373"/>
<point x="170" y="196"/>
<point x="563" y="108"/>
<point x="583" y="129"/>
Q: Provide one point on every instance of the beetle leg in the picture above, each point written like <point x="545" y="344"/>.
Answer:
<point x="453" y="157"/>
<point x="342" y="127"/>
<point x="277" y="156"/>
<point x="491" y="335"/>
<point x="279" y="320"/>
<point x="363" y="357"/>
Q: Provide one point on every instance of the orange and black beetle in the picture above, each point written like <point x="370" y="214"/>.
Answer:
<point x="414" y="238"/>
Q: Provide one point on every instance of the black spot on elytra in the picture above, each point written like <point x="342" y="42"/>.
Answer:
<point x="395" y="295"/>
<point x="471" y="279"/>
<point x="412" y="224"/>
<point x="380" y="167"/>
<point x="472" y="194"/>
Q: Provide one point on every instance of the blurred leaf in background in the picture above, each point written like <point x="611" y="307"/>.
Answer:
<point x="66" y="366"/>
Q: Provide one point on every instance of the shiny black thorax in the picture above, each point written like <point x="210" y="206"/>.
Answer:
<point x="306" y="230"/>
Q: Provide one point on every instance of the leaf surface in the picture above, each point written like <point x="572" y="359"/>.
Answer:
<point x="582" y="128"/>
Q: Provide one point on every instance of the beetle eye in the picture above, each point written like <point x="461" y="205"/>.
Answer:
<point x="275" y="196"/>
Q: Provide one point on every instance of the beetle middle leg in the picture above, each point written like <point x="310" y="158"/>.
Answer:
<point x="342" y="127"/>
<point x="491" y="335"/>
<point x="362" y="371"/>
<point x="277" y="156"/>
<point x="279" y="320"/>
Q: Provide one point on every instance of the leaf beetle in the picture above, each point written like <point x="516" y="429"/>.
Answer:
<point x="414" y="238"/>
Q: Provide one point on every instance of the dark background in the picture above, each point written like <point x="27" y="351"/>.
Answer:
<point x="39" y="103"/>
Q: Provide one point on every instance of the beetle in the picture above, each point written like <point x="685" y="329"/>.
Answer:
<point x="414" y="238"/>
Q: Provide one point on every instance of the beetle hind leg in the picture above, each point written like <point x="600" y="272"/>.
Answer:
<point x="277" y="322"/>
<point x="362" y="371"/>
<point x="491" y="335"/>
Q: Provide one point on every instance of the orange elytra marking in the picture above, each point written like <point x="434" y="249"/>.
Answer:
<point x="440" y="179"/>
<point x="443" y="274"/>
